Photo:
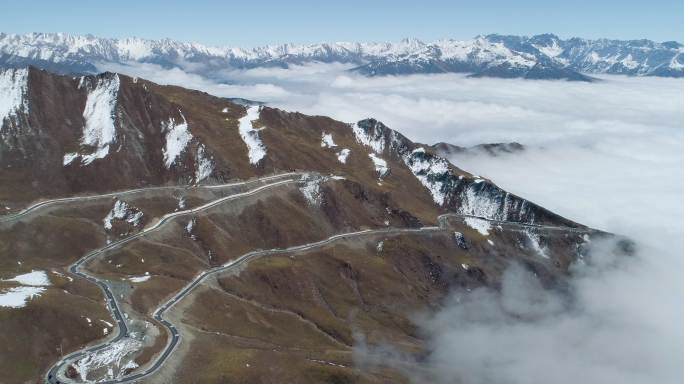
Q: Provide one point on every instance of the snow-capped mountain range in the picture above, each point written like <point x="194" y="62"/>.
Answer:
<point x="539" y="57"/>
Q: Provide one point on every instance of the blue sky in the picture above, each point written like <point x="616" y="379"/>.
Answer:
<point x="250" y="23"/>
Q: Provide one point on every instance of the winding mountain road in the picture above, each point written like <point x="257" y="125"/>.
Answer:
<point x="517" y="224"/>
<point x="46" y="203"/>
<point x="75" y="268"/>
<point x="56" y="373"/>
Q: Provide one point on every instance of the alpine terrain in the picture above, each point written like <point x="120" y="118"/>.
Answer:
<point x="543" y="56"/>
<point x="157" y="234"/>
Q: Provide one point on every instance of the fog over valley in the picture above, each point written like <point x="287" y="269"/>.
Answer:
<point x="607" y="154"/>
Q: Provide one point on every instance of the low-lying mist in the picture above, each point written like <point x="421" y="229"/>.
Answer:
<point x="608" y="154"/>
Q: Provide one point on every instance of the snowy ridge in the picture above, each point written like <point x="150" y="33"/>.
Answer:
<point x="432" y="171"/>
<point x="177" y="137"/>
<point x="372" y="137"/>
<point x="466" y="194"/>
<point x="540" y="56"/>
<point x="483" y="199"/>
<point x="476" y="201"/>
<point x="65" y="48"/>
<point x="13" y="94"/>
<point x="255" y="148"/>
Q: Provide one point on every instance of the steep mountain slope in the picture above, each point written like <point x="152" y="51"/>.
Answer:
<point x="260" y="238"/>
<point x="538" y="57"/>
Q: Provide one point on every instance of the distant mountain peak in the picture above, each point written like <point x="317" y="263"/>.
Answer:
<point x="542" y="56"/>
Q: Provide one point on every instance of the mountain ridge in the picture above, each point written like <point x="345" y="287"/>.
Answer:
<point x="142" y="134"/>
<point x="544" y="56"/>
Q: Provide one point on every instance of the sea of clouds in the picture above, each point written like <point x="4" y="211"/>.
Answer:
<point x="608" y="154"/>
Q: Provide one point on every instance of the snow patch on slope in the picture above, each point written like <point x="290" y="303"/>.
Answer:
<point x="480" y="225"/>
<point x="113" y="358"/>
<point x="380" y="165"/>
<point x="33" y="278"/>
<point x="311" y="190"/>
<point x="122" y="211"/>
<point x="13" y="93"/>
<point x="256" y="149"/>
<point x="343" y="155"/>
<point x="139" y="279"/>
<point x="477" y="204"/>
<point x="33" y="284"/>
<point x="19" y="296"/>
<point x="99" y="113"/>
<point x="535" y="243"/>
<point x="327" y="141"/>
<point x="69" y="157"/>
<point x="177" y="138"/>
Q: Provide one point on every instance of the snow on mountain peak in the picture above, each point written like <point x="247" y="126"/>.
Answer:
<point x="512" y="55"/>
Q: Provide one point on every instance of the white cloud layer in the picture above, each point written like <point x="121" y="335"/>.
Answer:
<point x="607" y="154"/>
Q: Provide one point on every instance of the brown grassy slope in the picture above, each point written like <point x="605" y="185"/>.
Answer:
<point x="301" y="312"/>
<point x="332" y="295"/>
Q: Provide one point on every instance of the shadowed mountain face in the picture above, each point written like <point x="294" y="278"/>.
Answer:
<point x="359" y="229"/>
<point x="538" y="57"/>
